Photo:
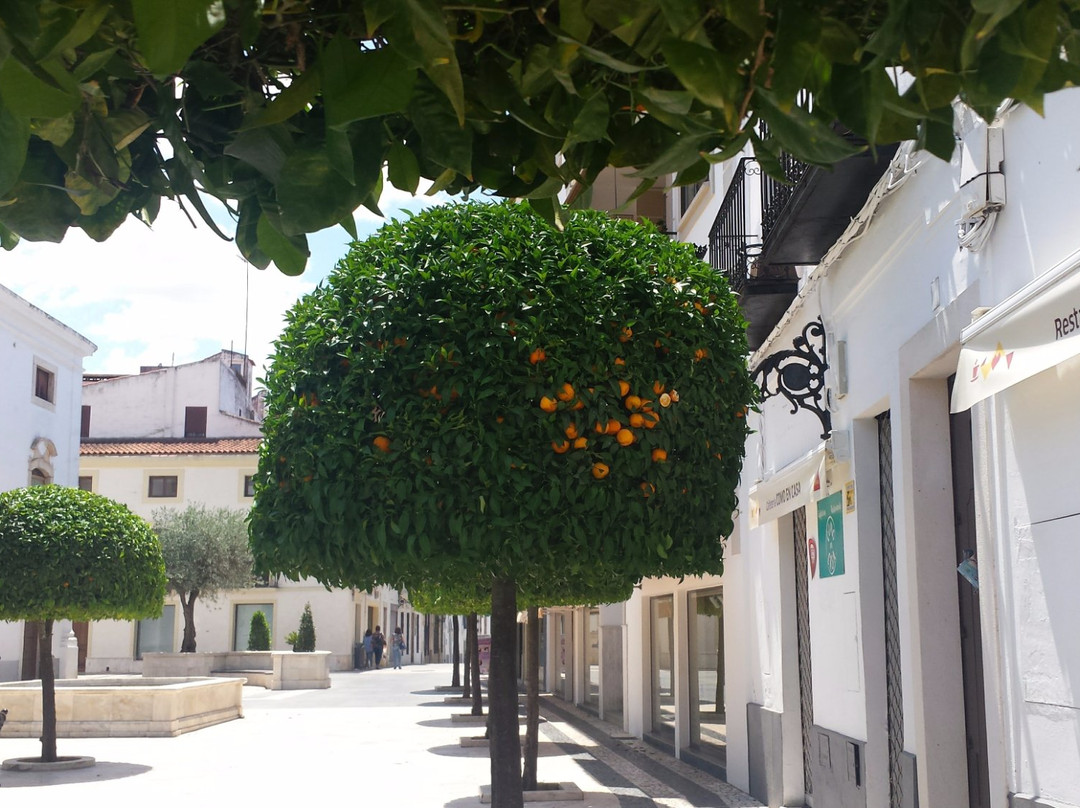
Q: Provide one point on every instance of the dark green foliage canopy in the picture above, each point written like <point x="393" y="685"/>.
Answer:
<point x="71" y="554"/>
<point x="289" y="112"/>
<point x="433" y="410"/>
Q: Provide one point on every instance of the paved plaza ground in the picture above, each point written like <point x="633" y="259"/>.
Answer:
<point x="375" y="738"/>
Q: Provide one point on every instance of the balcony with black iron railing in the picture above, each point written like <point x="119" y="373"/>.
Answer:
<point x="767" y="227"/>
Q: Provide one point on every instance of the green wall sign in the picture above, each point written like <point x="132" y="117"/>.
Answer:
<point x="830" y="521"/>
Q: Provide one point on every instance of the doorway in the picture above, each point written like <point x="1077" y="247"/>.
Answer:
<point x="971" y="652"/>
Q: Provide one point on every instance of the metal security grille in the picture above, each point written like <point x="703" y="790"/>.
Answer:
<point x="893" y="693"/>
<point x="802" y="619"/>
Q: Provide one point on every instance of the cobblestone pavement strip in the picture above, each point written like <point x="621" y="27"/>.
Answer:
<point x="372" y="738"/>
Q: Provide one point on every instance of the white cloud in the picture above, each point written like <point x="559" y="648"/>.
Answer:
<point x="172" y="294"/>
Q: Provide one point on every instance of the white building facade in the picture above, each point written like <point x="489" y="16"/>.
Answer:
<point x="897" y="607"/>
<point x="41" y="362"/>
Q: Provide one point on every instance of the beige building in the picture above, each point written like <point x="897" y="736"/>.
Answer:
<point x="174" y="436"/>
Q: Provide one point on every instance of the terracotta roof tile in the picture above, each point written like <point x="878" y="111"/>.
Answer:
<point x="168" y="446"/>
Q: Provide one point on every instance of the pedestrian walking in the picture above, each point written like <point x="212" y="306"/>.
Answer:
<point x="378" y="643"/>
<point x="367" y="649"/>
<point x="397" y="647"/>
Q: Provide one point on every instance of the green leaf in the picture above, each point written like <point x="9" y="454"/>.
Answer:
<point x="92" y="63"/>
<point x="264" y="149"/>
<point x="403" y="169"/>
<point x="591" y="122"/>
<point x="363" y="84"/>
<point x="288" y="254"/>
<point x="14" y="138"/>
<point x="937" y="138"/>
<point x="168" y="32"/>
<point x="312" y="195"/>
<point x="625" y="19"/>
<point x="292" y="100"/>
<point x="802" y="134"/>
<point x="35" y="94"/>
<point x="80" y="29"/>
<point x="41" y="210"/>
<point x="445" y="142"/>
<point x="711" y="76"/>
<point x="125" y="125"/>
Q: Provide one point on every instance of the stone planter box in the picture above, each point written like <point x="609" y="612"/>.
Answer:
<point x="123" y="707"/>
<point x="274" y="670"/>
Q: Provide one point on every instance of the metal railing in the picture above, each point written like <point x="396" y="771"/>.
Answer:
<point x="728" y="237"/>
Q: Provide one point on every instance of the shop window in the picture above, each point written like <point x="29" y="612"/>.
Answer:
<point x="592" y="658"/>
<point x="708" y="719"/>
<point x="663" y="664"/>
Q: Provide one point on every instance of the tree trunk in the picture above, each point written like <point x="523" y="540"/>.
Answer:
<point x="456" y="681"/>
<point x="505" y="742"/>
<point x="468" y="661"/>
<point x="532" y="699"/>
<point x="48" y="693"/>
<point x="477" y="693"/>
<point x="187" y="605"/>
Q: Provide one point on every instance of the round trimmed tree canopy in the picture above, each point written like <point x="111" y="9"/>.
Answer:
<point x="476" y="391"/>
<point x="71" y="554"/>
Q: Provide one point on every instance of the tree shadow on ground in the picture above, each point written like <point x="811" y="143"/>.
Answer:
<point x="544" y="749"/>
<point x="99" y="772"/>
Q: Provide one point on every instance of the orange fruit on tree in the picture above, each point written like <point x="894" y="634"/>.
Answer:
<point x="578" y="404"/>
<point x="700" y="354"/>
<point x="619" y="360"/>
<point x="651" y="418"/>
<point x="382" y="443"/>
<point x="626" y="333"/>
<point x="665" y="400"/>
<point x="560" y="448"/>
<point x="624" y="388"/>
<point x="613" y="427"/>
<point x="571" y="431"/>
<point x="675" y="396"/>
<point x="566" y="393"/>
<point x="659" y="455"/>
<point x="600" y="470"/>
<point x="633" y="402"/>
<point x="581" y="443"/>
<point x="548" y="404"/>
<point x="637" y="420"/>
<point x="648" y="489"/>
<point x="538" y="355"/>
<point x="625" y="437"/>
<point x="658" y="387"/>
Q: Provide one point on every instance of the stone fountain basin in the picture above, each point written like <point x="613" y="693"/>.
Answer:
<point x="123" y="706"/>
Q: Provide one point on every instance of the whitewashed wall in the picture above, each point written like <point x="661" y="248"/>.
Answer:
<point x="152" y="404"/>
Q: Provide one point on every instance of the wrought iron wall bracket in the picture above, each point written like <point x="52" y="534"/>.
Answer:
<point x="799" y="375"/>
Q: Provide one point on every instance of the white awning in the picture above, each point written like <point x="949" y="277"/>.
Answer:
<point x="1030" y="331"/>
<point x="795" y="485"/>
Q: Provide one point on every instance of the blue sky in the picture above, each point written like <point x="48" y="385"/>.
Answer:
<point x="172" y="293"/>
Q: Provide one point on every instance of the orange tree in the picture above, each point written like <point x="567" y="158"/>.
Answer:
<point x="72" y="555"/>
<point x="475" y="390"/>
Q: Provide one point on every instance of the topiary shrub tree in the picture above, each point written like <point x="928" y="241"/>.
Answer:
<point x="206" y="551"/>
<point x="305" y="635"/>
<point x="73" y="555"/>
<point x="475" y="390"/>
<point x="259" y="634"/>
